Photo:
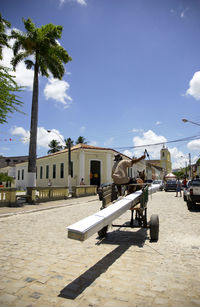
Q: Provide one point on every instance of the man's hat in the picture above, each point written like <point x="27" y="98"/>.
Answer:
<point x="118" y="157"/>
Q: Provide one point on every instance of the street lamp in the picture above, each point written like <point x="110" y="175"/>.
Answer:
<point x="51" y="131"/>
<point x="69" y="161"/>
<point x="189" y="121"/>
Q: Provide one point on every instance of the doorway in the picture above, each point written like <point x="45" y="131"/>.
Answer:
<point x="95" y="172"/>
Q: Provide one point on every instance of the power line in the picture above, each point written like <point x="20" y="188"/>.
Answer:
<point x="161" y="143"/>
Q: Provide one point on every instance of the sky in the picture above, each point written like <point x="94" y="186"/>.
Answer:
<point x="134" y="75"/>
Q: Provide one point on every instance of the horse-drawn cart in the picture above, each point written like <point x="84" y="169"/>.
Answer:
<point x="113" y="207"/>
<point x="138" y="211"/>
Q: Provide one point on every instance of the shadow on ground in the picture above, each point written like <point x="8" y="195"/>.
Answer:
<point x="124" y="239"/>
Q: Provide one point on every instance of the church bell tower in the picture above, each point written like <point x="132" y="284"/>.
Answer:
<point x="165" y="160"/>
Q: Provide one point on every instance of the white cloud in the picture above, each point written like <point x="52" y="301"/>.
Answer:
<point x="128" y="153"/>
<point x="148" y="137"/>
<point x="93" y="143"/>
<point x="24" y="77"/>
<point x="43" y="136"/>
<point x="137" y="130"/>
<point x="20" y="132"/>
<point x="194" y="89"/>
<point x="81" y="2"/>
<point x="82" y="129"/>
<point x="61" y="2"/>
<point x="182" y="15"/>
<point x="178" y="158"/>
<point x="57" y="90"/>
<point x="158" y="123"/>
<point x="109" y="141"/>
<point x="194" y="145"/>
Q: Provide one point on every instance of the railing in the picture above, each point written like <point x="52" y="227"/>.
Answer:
<point x="51" y="193"/>
<point x="84" y="190"/>
<point x="7" y="196"/>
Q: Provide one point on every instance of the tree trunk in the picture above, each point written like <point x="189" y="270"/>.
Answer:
<point x="33" y="131"/>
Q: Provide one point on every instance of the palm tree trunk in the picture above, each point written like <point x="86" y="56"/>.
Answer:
<point x="33" y="130"/>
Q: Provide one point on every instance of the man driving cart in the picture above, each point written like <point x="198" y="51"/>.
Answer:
<point x="120" y="170"/>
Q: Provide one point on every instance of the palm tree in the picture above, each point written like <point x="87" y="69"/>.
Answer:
<point x="67" y="143"/>
<point x="55" y="146"/>
<point x="49" y="56"/>
<point x="81" y="140"/>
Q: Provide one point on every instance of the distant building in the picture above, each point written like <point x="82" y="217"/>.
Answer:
<point x="164" y="162"/>
<point x="11" y="161"/>
<point x="92" y="163"/>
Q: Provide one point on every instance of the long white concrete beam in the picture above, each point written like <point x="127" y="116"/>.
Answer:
<point x="88" y="226"/>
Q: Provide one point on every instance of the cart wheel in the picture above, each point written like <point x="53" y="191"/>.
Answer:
<point x="102" y="233"/>
<point x="154" y="227"/>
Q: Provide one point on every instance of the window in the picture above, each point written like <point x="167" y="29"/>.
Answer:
<point x="54" y="171"/>
<point x="62" y="170"/>
<point x="47" y="171"/>
<point x="163" y="154"/>
<point x="18" y="176"/>
<point x="23" y="174"/>
<point x="72" y="169"/>
<point x="41" y="172"/>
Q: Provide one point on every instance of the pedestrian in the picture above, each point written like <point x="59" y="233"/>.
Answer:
<point x="82" y="182"/>
<point x="49" y="183"/>
<point x="178" y="187"/>
<point x="185" y="182"/>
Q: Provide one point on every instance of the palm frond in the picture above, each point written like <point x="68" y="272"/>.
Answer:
<point x="29" y="25"/>
<point x="29" y="64"/>
<point x="4" y="23"/>
<point x="18" y="58"/>
<point x="16" y="47"/>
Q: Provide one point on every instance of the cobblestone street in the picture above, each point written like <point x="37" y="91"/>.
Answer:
<point x="40" y="266"/>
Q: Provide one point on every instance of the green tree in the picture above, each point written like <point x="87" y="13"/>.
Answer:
<point x="5" y="178"/>
<point x="180" y="173"/>
<point x="3" y="36"/>
<point x="67" y="143"/>
<point x="9" y="101"/>
<point x="54" y="146"/>
<point x="49" y="58"/>
<point x="81" y="140"/>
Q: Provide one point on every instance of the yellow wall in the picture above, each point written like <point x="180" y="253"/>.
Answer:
<point x="51" y="160"/>
<point x="81" y="158"/>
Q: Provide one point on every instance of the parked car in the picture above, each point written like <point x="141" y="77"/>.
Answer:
<point x="149" y="181"/>
<point x="160" y="183"/>
<point x="170" y="185"/>
<point x="185" y="190"/>
<point x="193" y="193"/>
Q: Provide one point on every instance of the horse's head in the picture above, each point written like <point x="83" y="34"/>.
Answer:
<point x="142" y="175"/>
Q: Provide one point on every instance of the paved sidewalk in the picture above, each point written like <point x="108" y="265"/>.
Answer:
<point x="26" y="208"/>
<point x="41" y="267"/>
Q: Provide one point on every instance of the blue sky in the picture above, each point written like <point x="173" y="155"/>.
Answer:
<point x="134" y="74"/>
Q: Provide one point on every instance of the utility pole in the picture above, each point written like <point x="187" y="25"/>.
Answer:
<point x="186" y="169"/>
<point x="190" y="172"/>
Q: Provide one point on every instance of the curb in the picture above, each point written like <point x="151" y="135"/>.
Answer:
<point x="43" y="209"/>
